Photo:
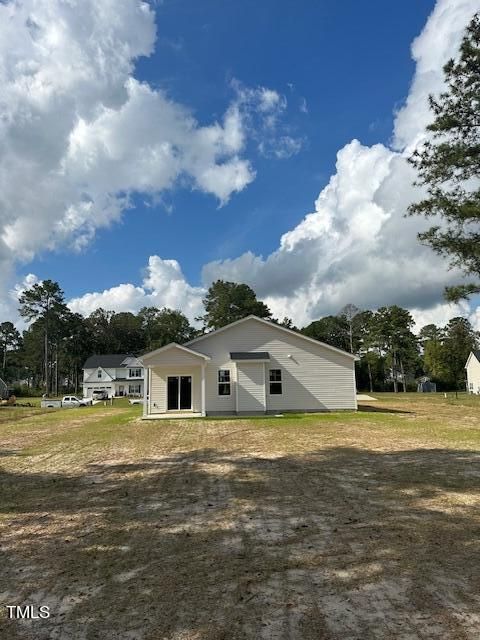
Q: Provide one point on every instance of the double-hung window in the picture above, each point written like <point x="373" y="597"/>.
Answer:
<point x="134" y="373"/>
<point x="275" y="382"/>
<point x="224" y="382"/>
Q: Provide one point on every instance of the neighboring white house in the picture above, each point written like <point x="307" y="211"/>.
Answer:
<point x="117" y="374"/>
<point x="473" y="372"/>
<point x="250" y="366"/>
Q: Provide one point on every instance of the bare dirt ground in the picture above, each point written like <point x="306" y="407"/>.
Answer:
<point x="340" y="526"/>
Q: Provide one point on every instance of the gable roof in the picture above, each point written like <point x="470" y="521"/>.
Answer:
<point x="106" y="377"/>
<point x="173" y="345"/>
<point x="476" y="354"/>
<point x="109" y="360"/>
<point x="273" y="325"/>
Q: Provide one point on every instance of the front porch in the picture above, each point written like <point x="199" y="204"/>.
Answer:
<point x="175" y="383"/>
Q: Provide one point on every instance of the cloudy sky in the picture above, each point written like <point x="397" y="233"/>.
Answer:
<point x="147" y="149"/>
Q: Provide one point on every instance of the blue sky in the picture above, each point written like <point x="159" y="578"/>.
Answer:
<point x="349" y="61"/>
<point x="151" y="148"/>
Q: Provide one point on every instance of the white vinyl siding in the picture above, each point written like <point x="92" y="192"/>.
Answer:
<point x="251" y="386"/>
<point x="158" y="386"/>
<point x="473" y="375"/>
<point x="314" y="378"/>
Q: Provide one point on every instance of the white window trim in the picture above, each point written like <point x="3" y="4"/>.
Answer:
<point x="281" y="381"/>
<point x="229" y="395"/>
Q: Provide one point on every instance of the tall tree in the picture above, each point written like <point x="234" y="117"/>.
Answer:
<point x="460" y="339"/>
<point x="162" y="326"/>
<point x="349" y="312"/>
<point x="431" y="339"/>
<point x="448" y="165"/>
<point x="393" y="336"/>
<point x="9" y="340"/>
<point x="332" y="330"/>
<point x="226" y="302"/>
<point x="126" y="331"/>
<point x="44" y="300"/>
<point x="98" y="325"/>
<point x="148" y="318"/>
<point x="363" y="342"/>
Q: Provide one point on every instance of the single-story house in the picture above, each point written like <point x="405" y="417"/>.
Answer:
<point x="473" y="372"/>
<point x="251" y="366"/>
<point x="117" y="374"/>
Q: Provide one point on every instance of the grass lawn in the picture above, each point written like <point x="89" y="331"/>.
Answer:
<point x="308" y="527"/>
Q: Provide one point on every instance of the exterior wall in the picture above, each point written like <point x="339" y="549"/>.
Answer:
<point x="473" y="375"/>
<point x="314" y="378"/>
<point x="214" y="402"/>
<point x="158" y="386"/>
<point x="251" y="386"/>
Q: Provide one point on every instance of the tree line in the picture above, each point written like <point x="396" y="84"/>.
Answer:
<point x="48" y="355"/>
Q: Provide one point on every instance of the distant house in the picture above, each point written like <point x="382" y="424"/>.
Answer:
<point x="473" y="372"/>
<point x="425" y="385"/>
<point x="117" y="374"/>
<point x="251" y="366"/>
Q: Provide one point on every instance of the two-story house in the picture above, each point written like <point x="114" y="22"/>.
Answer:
<point x="117" y="374"/>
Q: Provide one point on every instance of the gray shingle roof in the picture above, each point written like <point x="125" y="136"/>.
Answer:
<point x="109" y="360"/>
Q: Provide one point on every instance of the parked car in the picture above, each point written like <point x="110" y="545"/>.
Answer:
<point x="100" y="394"/>
<point x="66" y="402"/>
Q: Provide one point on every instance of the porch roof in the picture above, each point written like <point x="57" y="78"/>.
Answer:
<point x="165" y="353"/>
<point x="250" y="355"/>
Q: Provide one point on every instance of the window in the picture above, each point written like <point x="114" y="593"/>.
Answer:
<point x="99" y="373"/>
<point x="275" y="382"/>
<point x="224" y="382"/>
<point x="134" y="388"/>
<point x="134" y="373"/>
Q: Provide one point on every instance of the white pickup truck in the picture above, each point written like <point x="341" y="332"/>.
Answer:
<point x="66" y="401"/>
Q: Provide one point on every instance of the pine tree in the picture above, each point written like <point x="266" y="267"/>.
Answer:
<point x="448" y="165"/>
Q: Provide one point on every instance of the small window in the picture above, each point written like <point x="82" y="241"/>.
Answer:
<point x="135" y="373"/>
<point x="275" y="382"/>
<point x="224" y="382"/>
<point x="99" y="373"/>
<point x="133" y="388"/>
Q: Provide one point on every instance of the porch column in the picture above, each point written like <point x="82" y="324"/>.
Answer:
<point x="204" y="412"/>
<point x="145" y="390"/>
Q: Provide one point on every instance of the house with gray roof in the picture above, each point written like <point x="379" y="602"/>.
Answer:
<point x="119" y="374"/>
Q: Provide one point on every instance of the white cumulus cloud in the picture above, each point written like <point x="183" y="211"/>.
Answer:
<point x="163" y="285"/>
<point x="79" y="134"/>
<point x="357" y="246"/>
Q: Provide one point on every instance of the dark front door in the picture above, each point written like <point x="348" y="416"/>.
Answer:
<point x="179" y="393"/>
